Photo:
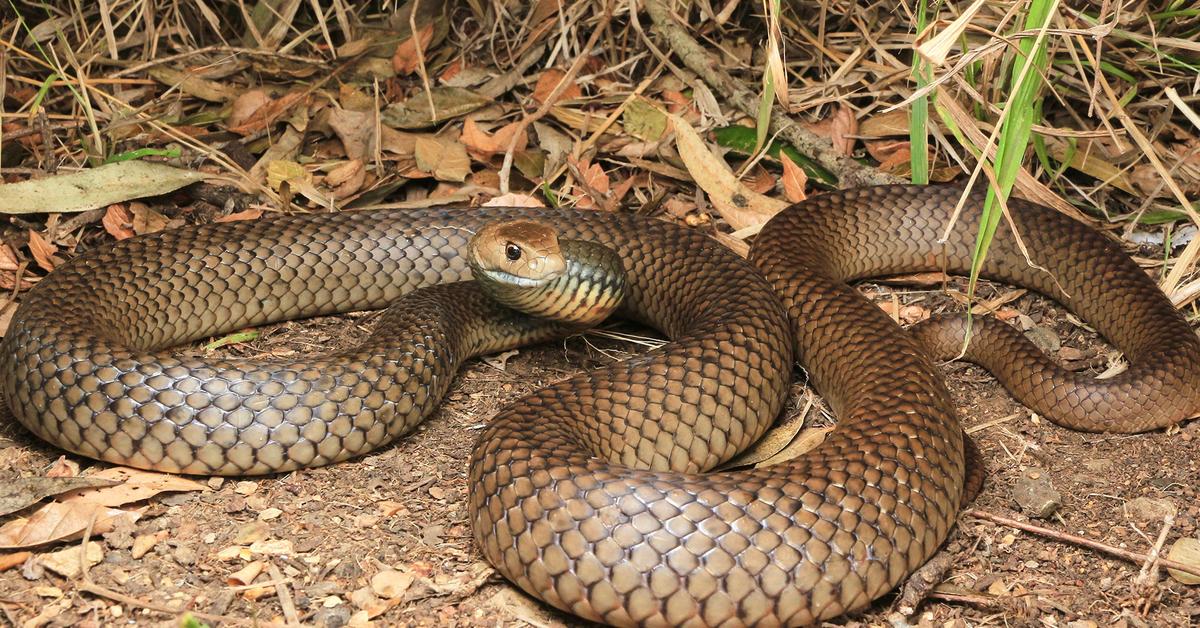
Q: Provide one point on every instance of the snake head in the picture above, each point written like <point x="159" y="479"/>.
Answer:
<point x="522" y="253"/>
<point x="523" y="265"/>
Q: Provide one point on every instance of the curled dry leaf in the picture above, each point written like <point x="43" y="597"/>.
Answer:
<point x="737" y="204"/>
<point x="43" y="252"/>
<point x="246" y="104"/>
<point x="118" y="222"/>
<point x="247" y="574"/>
<point x="356" y="130"/>
<point x="245" y="214"/>
<point x="8" y="561"/>
<point x="794" y="179"/>
<point x="594" y="182"/>
<point x="147" y="220"/>
<point x="346" y="178"/>
<point x="1186" y="551"/>
<point x="408" y="54"/>
<point x="483" y="145"/>
<point x="63" y="468"/>
<point x="445" y="159"/>
<point x="840" y="128"/>
<point x="391" y="584"/>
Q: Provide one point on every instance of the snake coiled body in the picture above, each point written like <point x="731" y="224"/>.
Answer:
<point x="592" y="493"/>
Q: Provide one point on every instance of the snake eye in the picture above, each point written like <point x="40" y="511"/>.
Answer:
<point x="512" y="252"/>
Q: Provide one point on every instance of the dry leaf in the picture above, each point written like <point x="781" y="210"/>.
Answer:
<point x="346" y="178"/>
<point x="406" y="59"/>
<point x="738" y="205"/>
<point x="43" y="252"/>
<point x="269" y="113"/>
<point x="483" y="145"/>
<point x="70" y="562"/>
<point x="794" y="179"/>
<point x="594" y="182"/>
<point x="548" y="81"/>
<point x="61" y="522"/>
<point x="147" y="220"/>
<point x="245" y="214"/>
<point x="445" y="159"/>
<point x="245" y="105"/>
<point x="246" y="575"/>
<point x="840" y="128"/>
<point x="356" y="130"/>
<point x="8" y="561"/>
<point x="63" y="468"/>
<point x="118" y="221"/>
<point x="143" y="543"/>
<point x="24" y="492"/>
<point x="135" y="485"/>
<point x="391" y="584"/>
<point x="892" y="155"/>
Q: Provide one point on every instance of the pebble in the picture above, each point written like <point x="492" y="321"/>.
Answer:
<point x="1148" y="509"/>
<point x="1035" y="495"/>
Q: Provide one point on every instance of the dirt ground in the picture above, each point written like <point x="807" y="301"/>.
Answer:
<point x="401" y="511"/>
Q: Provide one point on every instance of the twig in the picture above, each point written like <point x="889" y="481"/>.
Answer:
<point x="695" y="57"/>
<point x="285" y="596"/>
<point x="1131" y="556"/>
<point x="552" y="98"/>
<point x="1148" y="574"/>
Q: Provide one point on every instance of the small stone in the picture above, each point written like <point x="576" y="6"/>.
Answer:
<point x="1098" y="465"/>
<point x="269" y="514"/>
<point x="1035" y="495"/>
<point x="332" y="616"/>
<point x="245" y="488"/>
<point x="216" y="483"/>
<point x="184" y="555"/>
<point x="1147" y="509"/>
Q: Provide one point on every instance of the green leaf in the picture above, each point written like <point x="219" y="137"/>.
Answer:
<point x="741" y="140"/>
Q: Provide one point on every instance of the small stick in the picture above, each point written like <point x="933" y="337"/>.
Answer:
<point x="1148" y="574"/>
<point x="1134" y="557"/>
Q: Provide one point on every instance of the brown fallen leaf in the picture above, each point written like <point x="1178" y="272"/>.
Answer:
<point x="247" y="574"/>
<point x="118" y="222"/>
<point x="63" y="468"/>
<point x="70" y="562"/>
<point x="445" y="159"/>
<point x="246" y="104"/>
<point x="147" y="220"/>
<point x="8" y="561"/>
<point x="550" y="80"/>
<point x="43" y="252"/>
<point x="407" y="56"/>
<point x="245" y="214"/>
<point x="794" y="179"/>
<point x="594" y="182"/>
<point x="737" y="204"/>
<point x="269" y="113"/>
<point x="135" y="485"/>
<point x="513" y="199"/>
<point x="356" y="130"/>
<point x="346" y="178"/>
<point x="840" y="128"/>
<point x="61" y="522"/>
<point x="24" y="492"/>
<point x="483" y="145"/>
